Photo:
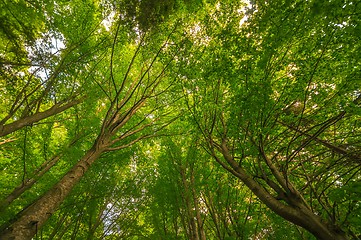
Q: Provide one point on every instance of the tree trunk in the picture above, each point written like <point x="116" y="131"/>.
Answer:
<point x="34" y="216"/>
<point x="213" y="213"/>
<point x="296" y="212"/>
<point x="196" y="207"/>
<point x="37" y="174"/>
<point x="28" y="183"/>
<point x="193" y="232"/>
<point x="98" y="221"/>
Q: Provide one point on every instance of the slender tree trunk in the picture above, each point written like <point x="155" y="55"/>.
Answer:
<point x="98" y="221"/>
<point x="213" y="213"/>
<point x="198" y="212"/>
<point x="34" y="216"/>
<point x="16" y="125"/>
<point x="193" y="233"/>
<point x="58" y="225"/>
<point x="28" y="183"/>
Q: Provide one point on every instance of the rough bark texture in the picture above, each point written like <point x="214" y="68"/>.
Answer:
<point x="33" y="217"/>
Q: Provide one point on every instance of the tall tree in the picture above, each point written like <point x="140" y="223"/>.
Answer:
<point x="265" y="103"/>
<point x="120" y="128"/>
<point x="266" y="145"/>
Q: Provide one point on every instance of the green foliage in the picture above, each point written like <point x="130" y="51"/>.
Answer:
<point x="277" y="79"/>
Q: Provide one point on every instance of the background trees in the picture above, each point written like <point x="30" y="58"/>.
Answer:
<point x="180" y="120"/>
<point x="277" y="131"/>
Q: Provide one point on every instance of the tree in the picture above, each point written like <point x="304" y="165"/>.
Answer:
<point x="124" y="99"/>
<point x="238" y="100"/>
<point x="179" y="119"/>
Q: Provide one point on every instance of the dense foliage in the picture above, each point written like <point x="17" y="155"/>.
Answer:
<point x="180" y="119"/>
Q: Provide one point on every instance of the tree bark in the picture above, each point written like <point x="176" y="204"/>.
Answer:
<point x="26" y="121"/>
<point x="33" y="217"/>
<point x="297" y="212"/>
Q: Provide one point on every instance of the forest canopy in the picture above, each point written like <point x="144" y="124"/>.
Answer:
<point x="180" y="119"/>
